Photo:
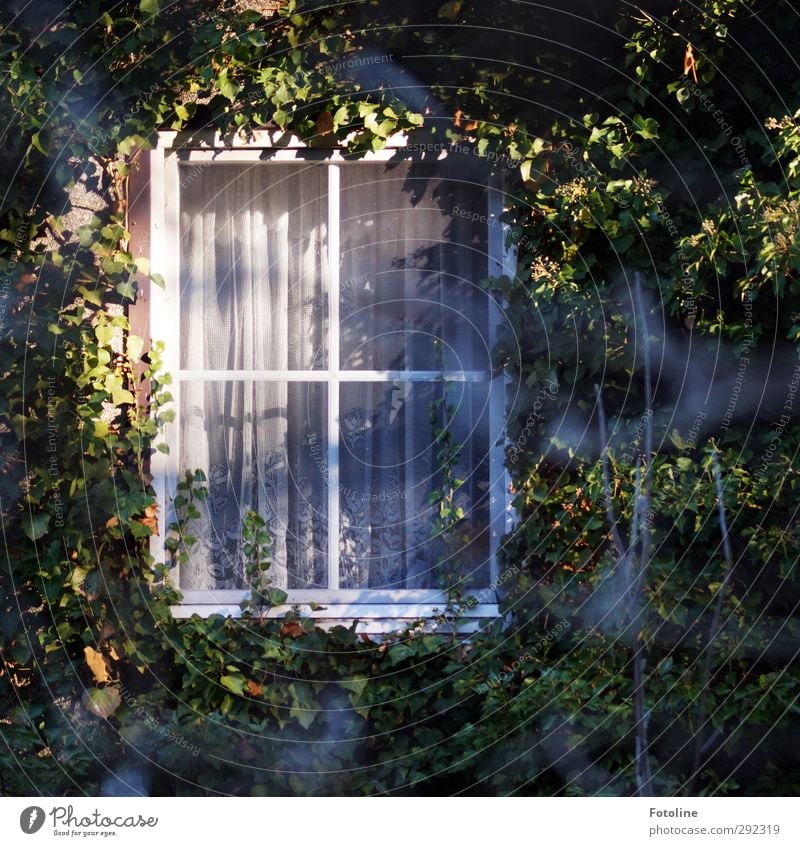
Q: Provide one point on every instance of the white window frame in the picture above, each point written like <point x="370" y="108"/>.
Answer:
<point x="379" y="610"/>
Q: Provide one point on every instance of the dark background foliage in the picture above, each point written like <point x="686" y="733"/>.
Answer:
<point x="616" y="163"/>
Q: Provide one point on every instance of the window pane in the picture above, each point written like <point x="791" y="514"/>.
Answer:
<point x="254" y="276"/>
<point x="263" y="447"/>
<point x="410" y="269"/>
<point x="389" y="465"/>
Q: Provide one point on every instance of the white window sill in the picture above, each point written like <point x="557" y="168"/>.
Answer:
<point x="375" y="612"/>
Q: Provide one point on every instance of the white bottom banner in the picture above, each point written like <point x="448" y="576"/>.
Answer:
<point x="402" y="821"/>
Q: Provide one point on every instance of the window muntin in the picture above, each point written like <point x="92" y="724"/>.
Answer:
<point x="324" y="245"/>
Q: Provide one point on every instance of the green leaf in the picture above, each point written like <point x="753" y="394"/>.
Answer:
<point x="126" y="146"/>
<point x="105" y="334"/>
<point x="37" y="143"/>
<point x="233" y="683"/>
<point x="100" y="428"/>
<point x="398" y="653"/>
<point x="525" y="169"/>
<point x="78" y="577"/>
<point x="102" y="701"/>
<point x="303" y="715"/>
<point x="647" y="128"/>
<point x="35" y="525"/>
<point x="127" y="290"/>
<point x="135" y="347"/>
<point x="276" y="596"/>
<point x="121" y="396"/>
<point x="357" y="686"/>
<point x="228" y="88"/>
<point x="149" y="7"/>
<point x="675" y="437"/>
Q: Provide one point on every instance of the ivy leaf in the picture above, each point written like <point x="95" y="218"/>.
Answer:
<point x="149" y="7"/>
<point x="35" y="525"/>
<point x="127" y="145"/>
<point x="293" y="629"/>
<point x="399" y="653"/>
<point x="105" y="334"/>
<point x="276" y="596"/>
<point x="341" y="117"/>
<point x="135" y="347"/>
<point x="356" y="686"/>
<point x="303" y="716"/>
<point x="96" y="663"/>
<point x="525" y="170"/>
<point x="229" y="88"/>
<point x="121" y="396"/>
<point x="254" y="688"/>
<point x="102" y="702"/>
<point x="235" y="684"/>
<point x="324" y="123"/>
<point x="127" y="290"/>
<point x="37" y="143"/>
<point x="450" y="10"/>
<point x="647" y="128"/>
<point x="78" y="577"/>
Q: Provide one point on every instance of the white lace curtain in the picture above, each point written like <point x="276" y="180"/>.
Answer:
<point x="254" y="297"/>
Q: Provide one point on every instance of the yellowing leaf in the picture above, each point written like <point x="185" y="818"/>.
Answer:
<point x="77" y="578"/>
<point x="292" y="629"/>
<point x="150" y="518"/>
<point x="97" y="665"/>
<point x="450" y="10"/>
<point x="324" y="123"/>
<point x="254" y="688"/>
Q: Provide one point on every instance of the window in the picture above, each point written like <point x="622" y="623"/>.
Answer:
<point x="324" y="320"/>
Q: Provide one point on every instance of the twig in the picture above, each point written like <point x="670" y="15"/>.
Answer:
<point x="635" y="531"/>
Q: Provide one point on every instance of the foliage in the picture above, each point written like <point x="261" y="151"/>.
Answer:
<point x="693" y="184"/>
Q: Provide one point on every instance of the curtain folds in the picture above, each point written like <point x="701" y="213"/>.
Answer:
<point x="254" y="297"/>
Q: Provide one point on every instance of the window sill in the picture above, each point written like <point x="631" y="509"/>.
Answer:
<point x="382" y="612"/>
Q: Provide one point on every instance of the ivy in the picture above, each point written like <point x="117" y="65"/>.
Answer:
<point x="96" y="671"/>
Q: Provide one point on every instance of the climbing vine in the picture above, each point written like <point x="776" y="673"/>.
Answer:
<point x="644" y="175"/>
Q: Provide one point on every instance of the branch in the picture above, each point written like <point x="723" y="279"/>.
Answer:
<point x="647" y="482"/>
<point x="641" y="510"/>
<point x="610" y="516"/>
<point x="715" y="627"/>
